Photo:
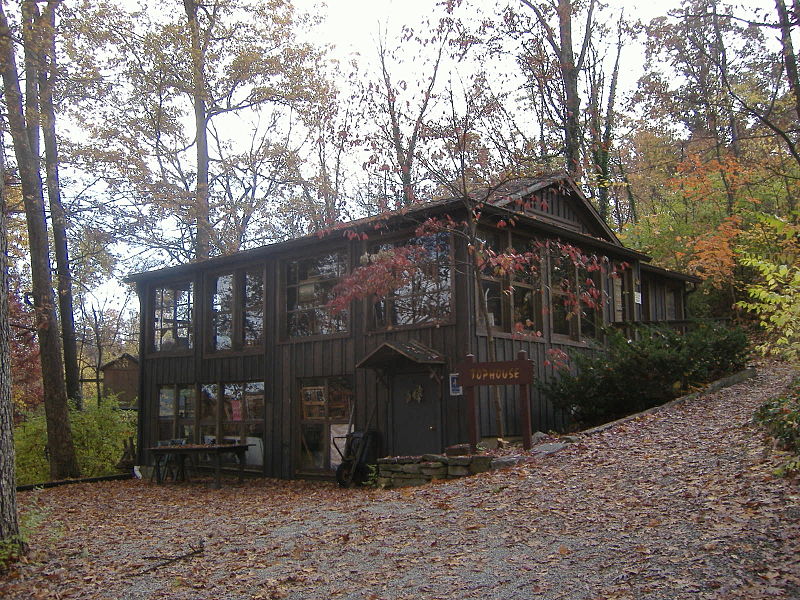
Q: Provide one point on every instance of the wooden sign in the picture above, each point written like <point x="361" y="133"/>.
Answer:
<point x="510" y="372"/>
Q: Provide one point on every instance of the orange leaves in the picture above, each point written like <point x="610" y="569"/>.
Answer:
<point x="714" y="255"/>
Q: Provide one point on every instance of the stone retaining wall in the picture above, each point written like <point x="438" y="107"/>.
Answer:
<point x="403" y="471"/>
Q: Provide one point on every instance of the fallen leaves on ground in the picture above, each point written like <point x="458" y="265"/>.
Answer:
<point x="678" y="504"/>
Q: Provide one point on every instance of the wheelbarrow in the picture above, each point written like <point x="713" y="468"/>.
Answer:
<point x="359" y="451"/>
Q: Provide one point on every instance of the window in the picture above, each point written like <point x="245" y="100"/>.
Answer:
<point x="172" y="317"/>
<point x="236" y="309"/>
<point x="514" y="294"/>
<point x="325" y="411"/>
<point x="176" y="405"/>
<point x="526" y="288"/>
<point x="672" y="304"/>
<point x="309" y="287"/>
<point x="575" y="298"/>
<point x="620" y="296"/>
<point x="234" y="413"/>
<point x="493" y="284"/>
<point x="425" y="295"/>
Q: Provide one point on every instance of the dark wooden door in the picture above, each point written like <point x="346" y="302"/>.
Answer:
<point x="416" y="414"/>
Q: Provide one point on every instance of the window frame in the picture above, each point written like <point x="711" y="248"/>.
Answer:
<point x="285" y="312"/>
<point x="175" y="420"/>
<point x="576" y="332"/>
<point x="214" y="425"/>
<point x="151" y="335"/>
<point x="238" y="313"/>
<point x="323" y="384"/>
<point x="508" y="285"/>
<point x="373" y="323"/>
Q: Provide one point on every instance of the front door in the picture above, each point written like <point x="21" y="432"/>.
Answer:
<point x="416" y="414"/>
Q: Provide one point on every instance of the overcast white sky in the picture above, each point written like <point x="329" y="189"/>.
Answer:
<point x="352" y="26"/>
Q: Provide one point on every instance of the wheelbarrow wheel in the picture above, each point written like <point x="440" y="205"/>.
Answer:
<point x="347" y="474"/>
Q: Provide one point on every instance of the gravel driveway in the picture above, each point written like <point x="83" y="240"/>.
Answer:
<point x="678" y="504"/>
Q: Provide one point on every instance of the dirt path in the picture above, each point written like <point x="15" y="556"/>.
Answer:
<point x="680" y="504"/>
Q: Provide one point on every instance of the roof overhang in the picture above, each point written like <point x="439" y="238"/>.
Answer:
<point x="662" y="272"/>
<point x="394" y="354"/>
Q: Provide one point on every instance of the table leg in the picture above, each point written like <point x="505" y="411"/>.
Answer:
<point x="157" y="469"/>
<point x="217" y="471"/>
<point x="181" y="474"/>
<point x="240" y="456"/>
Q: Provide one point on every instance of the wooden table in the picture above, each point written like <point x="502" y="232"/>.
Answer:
<point x="180" y="452"/>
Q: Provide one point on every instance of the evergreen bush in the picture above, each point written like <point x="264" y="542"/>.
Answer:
<point x="654" y="366"/>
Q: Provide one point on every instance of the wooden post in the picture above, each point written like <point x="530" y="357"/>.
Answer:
<point x="525" y="407"/>
<point x="472" y="411"/>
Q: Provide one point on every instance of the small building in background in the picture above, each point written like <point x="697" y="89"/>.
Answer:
<point x="121" y="378"/>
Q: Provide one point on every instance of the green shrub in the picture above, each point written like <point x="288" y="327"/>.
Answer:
<point x="656" y="365"/>
<point x="98" y="434"/>
<point x="781" y="418"/>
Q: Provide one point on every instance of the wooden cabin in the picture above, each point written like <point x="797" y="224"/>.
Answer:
<point x="243" y="347"/>
<point x="121" y="378"/>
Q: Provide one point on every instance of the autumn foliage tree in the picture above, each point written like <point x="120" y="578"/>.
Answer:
<point x="24" y="132"/>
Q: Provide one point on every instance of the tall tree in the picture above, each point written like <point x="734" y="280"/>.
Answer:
<point x="9" y="524"/>
<point x="199" y="87"/>
<point x="570" y="64"/>
<point x="42" y="52"/>
<point x="63" y="461"/>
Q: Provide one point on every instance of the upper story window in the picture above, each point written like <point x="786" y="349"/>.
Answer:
<point x="513" y="293"/>
<point x="425" y="295"/>
<point x="575" y="297"/>
<point x="173" y="313"/>
<point x="236" y="309"/>
<point x="309" y="288"/>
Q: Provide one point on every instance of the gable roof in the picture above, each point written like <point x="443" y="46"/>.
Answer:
<point x="526" y="187"/>
<point x="121" y="358"/>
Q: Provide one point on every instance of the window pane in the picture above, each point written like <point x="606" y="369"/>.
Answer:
<point x="619" y="306"/>
<point x="207" y="435"/>
<point x="528" y="308"/>
<point x="208" y="402"/>
<point x="166" y="401"/>
<point x="233" y="402"/>
<point x="186" y="402"/>
<point x="340" y="397"/>
<point x="253" y="327"/>
<point x="186" y="431"/>
<point x="313" y="399"/>
<point x="254" y="401"/>
<point x="312" y="446"/>
<point x="561" y="315"/>
<point x="254" y="438"/>
<point x="310" y="284"/>
<point x="222" y="312"/>
<point x="172" y="317"/>
<point x="425" y="297"/>
<point x="492" y="292"/>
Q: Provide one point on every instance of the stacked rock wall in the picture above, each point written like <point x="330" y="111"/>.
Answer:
<point x="403" y="471"/>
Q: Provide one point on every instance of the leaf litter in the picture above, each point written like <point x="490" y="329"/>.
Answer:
<point x="681" y="503"/>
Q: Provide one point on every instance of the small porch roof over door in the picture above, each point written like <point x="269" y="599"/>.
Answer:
<point x="395" y="354"/>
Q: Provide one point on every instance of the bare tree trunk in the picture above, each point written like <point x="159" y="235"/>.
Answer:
<point x="569" y="72"/>
<point x="47" y="74"/>
<point x="570" y="69"/>
<point x="63" y="462"/>
<point x="9" y="524"/>
<point x="202" y="209"/>
<point x="789" y="57"/>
